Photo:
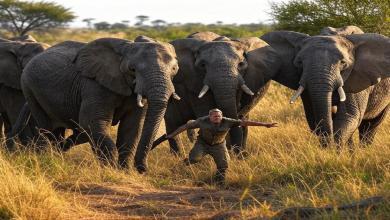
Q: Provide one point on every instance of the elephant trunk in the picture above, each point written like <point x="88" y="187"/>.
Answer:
<point x="224" y="90"/>
<point x="225" y="94"/>
<point x="321" y="97"/>
<point x="157" y="91"/>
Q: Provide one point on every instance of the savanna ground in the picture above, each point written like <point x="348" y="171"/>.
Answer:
<point x="286" y="168"/>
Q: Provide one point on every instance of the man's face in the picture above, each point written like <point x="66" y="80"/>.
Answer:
<point x="215" y="117"/>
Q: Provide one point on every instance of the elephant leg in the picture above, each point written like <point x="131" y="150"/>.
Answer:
<point x="96" y="120"/>
<point x="369" y="127"/>
<point x="236" y="139"/>
<point x="43" y="122"/>
<point x="75" y="139"/>
<point x="175" y="144"/>
<point x="129" y="133"/>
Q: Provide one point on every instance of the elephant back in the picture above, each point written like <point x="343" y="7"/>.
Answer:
<point x="58" y="58"/>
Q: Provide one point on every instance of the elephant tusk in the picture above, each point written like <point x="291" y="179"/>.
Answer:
<point x="297" y="94"/>
<point x="342" y="95"/>
<point x="247" y="90"/>
<point x="139" y="101"/>
<point x="203" y="91"/>
<point x="176" y="96"/>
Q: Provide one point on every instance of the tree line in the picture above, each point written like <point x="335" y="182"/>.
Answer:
<point x="307" y="16"/>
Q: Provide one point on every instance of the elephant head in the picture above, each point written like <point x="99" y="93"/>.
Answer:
<point x="13" y="58"/>
<point x="215" y="66"/>
<point x="218" y="68"/>
<point x="144" y="68"/>
<point x="327" y="65"/>
<point x="343" y="31"/>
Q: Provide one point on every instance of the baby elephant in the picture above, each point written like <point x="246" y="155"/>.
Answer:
<point x="89" y="87"/>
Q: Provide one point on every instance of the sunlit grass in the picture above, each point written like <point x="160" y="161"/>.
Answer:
<point x="286" y="167"/>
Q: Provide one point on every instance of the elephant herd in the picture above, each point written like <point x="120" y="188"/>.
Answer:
<point x="341" y="76"/>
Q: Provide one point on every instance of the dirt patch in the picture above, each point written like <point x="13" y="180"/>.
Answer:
<point x="137" y="202"/>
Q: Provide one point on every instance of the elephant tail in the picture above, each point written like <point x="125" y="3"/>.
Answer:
<point x="20" y="127"/>
<point x="159" y="141"/>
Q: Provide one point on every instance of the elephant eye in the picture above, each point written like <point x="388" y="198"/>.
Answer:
<point x="202" y="64"/>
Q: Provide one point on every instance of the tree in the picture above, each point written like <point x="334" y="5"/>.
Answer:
<point x="141" y="19"/>
<point x="309" y="16"/>
<point x="20" y="17"/>
<point x="102" y="25"/>
<point x="119" y="26"/>
<point x="88" y="21"/>
<point x="158" y="23"/>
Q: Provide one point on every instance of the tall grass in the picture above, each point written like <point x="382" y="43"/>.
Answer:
<point x="286" y="166"/>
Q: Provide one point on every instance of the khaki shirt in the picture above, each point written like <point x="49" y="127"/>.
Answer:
<point x="210" y="133"/>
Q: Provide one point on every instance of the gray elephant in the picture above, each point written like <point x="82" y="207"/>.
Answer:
<point x="14" y="55"/>
<point x="216" y="71"/>
<point x="322" y="68"/>
<point x="343" y="31"/>
<point x="89" y="87"/>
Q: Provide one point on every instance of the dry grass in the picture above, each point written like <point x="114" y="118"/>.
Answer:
<point x="285" y="168"/>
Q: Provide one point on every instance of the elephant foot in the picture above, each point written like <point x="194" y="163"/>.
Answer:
<point x="242" y="155"/>
<point x="141" y="168"/>
<point x="175" y="152"/>
<point x="123" y="164"/>
<point x="10" y="144"/>
<point x="238" y="150"/>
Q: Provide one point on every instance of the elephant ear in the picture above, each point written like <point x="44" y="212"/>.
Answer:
<point x="10" y="69"/>
<point x="372" y="61"/>
<point x="263" y="65"/>
<point x="188" y="74"/>
<point x="287" y="44"/>
<point x="101" y="60"/>
<point x="14" y="57"/>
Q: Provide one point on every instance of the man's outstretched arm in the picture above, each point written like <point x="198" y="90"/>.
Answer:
<point x="177" y="131"/>
<point x="255" y="123"/>
<point x="189" y="125"/>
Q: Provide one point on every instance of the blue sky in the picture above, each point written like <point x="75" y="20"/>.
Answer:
<point x="204" y="11"/>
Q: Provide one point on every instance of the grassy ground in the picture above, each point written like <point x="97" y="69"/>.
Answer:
<point x="285" y="168"/>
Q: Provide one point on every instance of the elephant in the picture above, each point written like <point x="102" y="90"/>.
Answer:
<point x="233" y="71"/>
<point x="318" y="66"/>
<point x="14" y="55"/>
<point x="343" y="31"/>
<point x="87" y="87"/>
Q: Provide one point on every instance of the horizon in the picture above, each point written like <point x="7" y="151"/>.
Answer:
<point x="215" y="12"/>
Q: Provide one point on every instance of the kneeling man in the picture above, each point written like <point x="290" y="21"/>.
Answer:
<point x="211" y="138"/>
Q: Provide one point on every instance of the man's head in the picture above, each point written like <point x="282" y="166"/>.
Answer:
<point x="215" y="116"/>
